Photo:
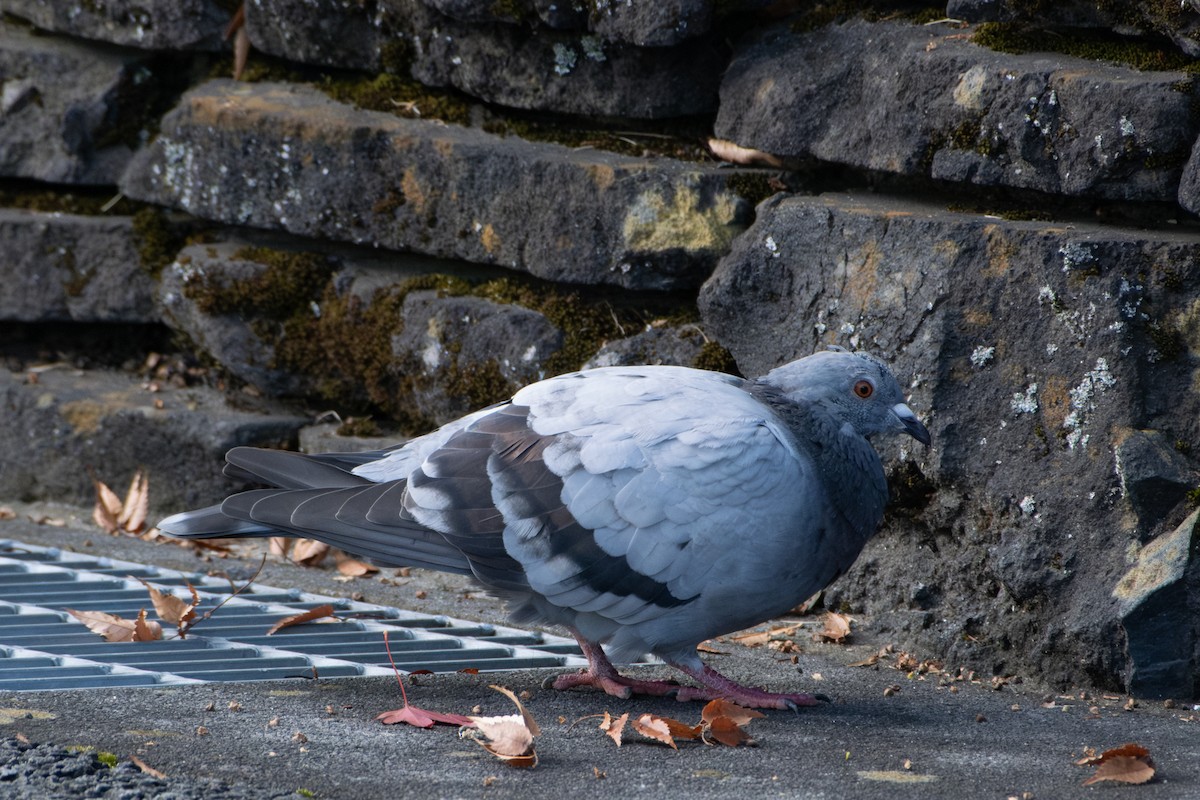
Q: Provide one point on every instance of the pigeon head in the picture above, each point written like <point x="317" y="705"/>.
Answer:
<point x="855" y="388"/>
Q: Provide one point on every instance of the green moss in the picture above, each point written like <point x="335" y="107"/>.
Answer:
<point x="306" y="792"/>
<point x="107" y="759"/>
<point x="715" y="357"/>
<point x="76" y="201"/>
<point x="479" y="385"/>
<point x="157" y="241"/>
<point x="290" y="281"/>
<point x="753" y="187"/>
<point x="1012" y="37"/>
<point x="1183" y="447"/>
<point x="1193" y="497"/>
<point x="397" y="95"/>
<point x="359" y="426"/>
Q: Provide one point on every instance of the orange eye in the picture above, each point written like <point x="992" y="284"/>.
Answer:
<point x="864" y="389"/>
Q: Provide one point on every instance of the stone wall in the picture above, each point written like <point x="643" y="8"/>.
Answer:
<point x="406" y="209"/>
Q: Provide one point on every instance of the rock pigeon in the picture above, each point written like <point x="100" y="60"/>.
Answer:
<point x="644" y="508"/>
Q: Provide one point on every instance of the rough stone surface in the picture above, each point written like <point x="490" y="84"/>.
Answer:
<point x="341" y="33"/>
<point x="1154" y="475"/>
<point x="676" y="345"/>
<point x="1160" y="614"/>
<point x="659" y="24"/>
<point x="60" y="103"/>
<point x="65" y="267"/>
<point x="518" y="66"/>
<point x="245" y="344"/>
<point x="926" y="101"/>
<point x="68" y="421"/>
<point x="449" y="345"/>
<point x="277" y="156"/>
<point x="1029" y="345"/>
<point x="148" y="24"/>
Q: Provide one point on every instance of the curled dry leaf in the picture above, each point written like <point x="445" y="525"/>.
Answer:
<point x="118" y="629"/>
<point x="309" y="552"/>
<point x="146" y="768"/>
<point x="352" y="567"/>
<point x="410" y="714"/>
<point x="837" y="628"/>
<point x="735" y="153"/>
<point x="1129" y="763"/>
<point x="116" y="516"/>
<point x="320" y="612"/>
<point x="723" y="722"/>
<point x="174" y="610"/>
<point x="614" y="728"/>
<point x="723" y="708"/>
<point x="510" y="737"/>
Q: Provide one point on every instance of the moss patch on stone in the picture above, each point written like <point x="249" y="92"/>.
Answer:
<point x="78" y="200"/>
<point x="291" y="280"/>
<point x="1017" y="38"/>
<point x="714" y="356"/>
<point x="157" y="241"/>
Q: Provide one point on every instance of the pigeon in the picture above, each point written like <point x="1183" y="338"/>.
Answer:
<point x="644" y="508"/>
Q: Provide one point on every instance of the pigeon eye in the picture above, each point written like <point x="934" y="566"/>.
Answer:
<point x="864" y="389"/>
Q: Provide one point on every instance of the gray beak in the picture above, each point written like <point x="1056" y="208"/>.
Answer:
<point x="910" y="424"/>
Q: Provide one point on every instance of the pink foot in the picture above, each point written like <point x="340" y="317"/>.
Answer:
<point x="601" y="674"/>
<point x="717" y="685"/>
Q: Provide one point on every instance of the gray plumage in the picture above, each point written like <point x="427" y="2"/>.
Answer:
<point x="648" y="508"/>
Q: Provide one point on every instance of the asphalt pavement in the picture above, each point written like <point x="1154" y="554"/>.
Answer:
<point x="889" y="731"/>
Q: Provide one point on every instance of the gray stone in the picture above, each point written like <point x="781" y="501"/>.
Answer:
<point x="463" y="353"/>
<point x="61" y="108"/>
<point x="1030" y="347"/>
<point x="1154" y="475"/>
<point x="68" y="421"/>
<point x="335" y="33"/>
<point x="925" y="101"/>
<point x="1159" y="598"/>
<point x="651" y="24"/>
<point x="148" y="24"/>
<point x="67" y="267"/>
<point x="675" y="345"/>
<point x="288" y="157"/>
<point x="540" y="68"/>
<point x="325" y="438"/>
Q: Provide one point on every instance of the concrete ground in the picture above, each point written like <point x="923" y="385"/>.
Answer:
<point x="886" y="733"/>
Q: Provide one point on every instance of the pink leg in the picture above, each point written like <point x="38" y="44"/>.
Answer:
<point x="601" y="674"/>
<point x="717" y="685"/>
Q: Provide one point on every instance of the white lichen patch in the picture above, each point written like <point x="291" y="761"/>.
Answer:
<point x="1028" y="505"/>
<point x="593" y="48"/>
<point x="771" y="246"/>
<point x="565" y="59"/>
<point x="1027" y="402"/>
<point x="1077" y="256"/>
<point x="982" y="356"/>
<point x="1083" y="402"/>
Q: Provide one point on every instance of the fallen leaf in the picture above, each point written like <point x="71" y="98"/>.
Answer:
<point x="613" y="728"/>
<point x="724" y="708"/>
<point x="755" y="639"/>
<point x="837" y="628"/>
<point x="174" y="610"/>
<point x="1129" y="763"/>
<point x="654" y="728"/>
<point x="309" y="552"/>
<point x="705" y="647"/>
<point x="509" y="737"/>
<point x="410" y="714"/>
<point x="6" y="512"/>
<point x="319" y="612"/>
<point x="107" y="508"/>
<point x="118" y="629"/>
<point x="726" y="731"/>
<point x="137" y="504"/>
<point x="279" y="545"/>
<point x="146" y="768"/>
<point x="352" y="567"/>
<point x="735" y="153"/>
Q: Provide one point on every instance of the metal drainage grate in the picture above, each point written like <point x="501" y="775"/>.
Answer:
<point x="42" y="647"/>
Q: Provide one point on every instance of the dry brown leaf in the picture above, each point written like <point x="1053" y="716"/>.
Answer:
<point x="137" y="504"/>
<point x="118" y="629"/>
<point x="279" y="545"/>
<point x="174" y="610"/>
<point x="726" y="731"/>
<point x="107" y="508"/>
<point x="735" y="153"/>
<point x="754" y="639"/>
<point x="241" y="52"/>
<point x="146" y="768"/>
<point x="837" y="628"/>
<point x="352" y="567"/>
<point x="319" y="612"/>
<point x="309" y="552"/>
<point x="509" y="737"/>
<point x="6" y="512"/>
<point x="723" y="708"/>
<point x="1129" y="763"/>
<point x="614" y="728"/>
<point x="708" y="647"/>
<point x="655" y="728"/>
<point x="869" y="661"/>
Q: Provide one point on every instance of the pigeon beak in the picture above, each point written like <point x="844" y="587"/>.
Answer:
<point x="910" y="424"/>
